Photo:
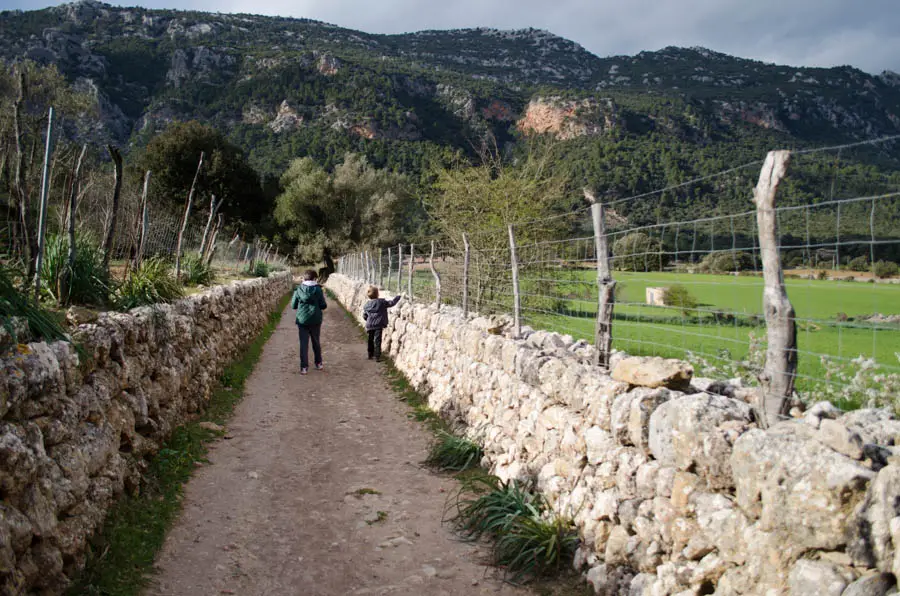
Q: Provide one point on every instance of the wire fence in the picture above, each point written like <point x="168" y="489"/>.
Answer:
<point x="799" y="296"/>
<point x="231" y="253"/>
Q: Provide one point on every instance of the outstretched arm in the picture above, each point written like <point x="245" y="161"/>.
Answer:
<point x="295" y="301"/>
<point x="394" y="302"/>
<point x="322" y="304"/>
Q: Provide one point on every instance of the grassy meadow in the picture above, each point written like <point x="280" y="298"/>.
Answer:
<point x="719" y="328"/>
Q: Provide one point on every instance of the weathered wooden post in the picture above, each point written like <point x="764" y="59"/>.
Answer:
<point x="517" y="298"/>
<point x="145" y="222"/>
<point x="380" y="267"/>
<point x="109" y="236"/>
<point x="65" y="279"/>
<point x="777" y="377"/>
<point x="411" y="272"/>
<point x="42" y="222"/>
<point x="390" y="269"/>
<point x="465" y="279"/>
<point x="606" y="286"/>
<point x="399" y="268"/>
<point x="437" y="278"/>
<point x="187" y="215"/>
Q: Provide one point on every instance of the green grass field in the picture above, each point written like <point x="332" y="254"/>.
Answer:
<point x="719" y="329"/>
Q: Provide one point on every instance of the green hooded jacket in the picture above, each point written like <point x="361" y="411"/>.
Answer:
<point x="309" y="302"/>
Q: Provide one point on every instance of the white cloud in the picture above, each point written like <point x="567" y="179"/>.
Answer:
<point x="795" y="32"/>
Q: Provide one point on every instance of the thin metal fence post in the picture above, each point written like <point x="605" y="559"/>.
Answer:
<point x="437" y="278"/>
<point x="517" y="298"/>
<point x="412" y="265"/>
<point x="777" y="378"/>
<point x="42" y="222"/>
<point x="465" y="280"/>
<point x="606" y="286"/>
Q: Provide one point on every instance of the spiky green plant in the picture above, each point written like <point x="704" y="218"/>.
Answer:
<point x="195" y="272"/>
<point x="15" y="303"/>
<point x="88" y="279"/>
<point x="152" y="283"/>
<point x="534" y="546"/>
<point x="486" y="505"/>
<point x="258" y="269"/>
<point x="452" y="453"/>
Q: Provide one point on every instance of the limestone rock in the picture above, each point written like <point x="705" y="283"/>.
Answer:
<point x="818" y="578"/>
<point x="871" y="543"/>
<point x="875" y="426"/>
<point x="840" y="438"/>
<point x="654" y="372"/>
<point x="797" y="487"/>
<point x="78" y="315"/>
<point x="680" y="433"/>
<point x="873" y="584"/>
<point x="598" y="443"/>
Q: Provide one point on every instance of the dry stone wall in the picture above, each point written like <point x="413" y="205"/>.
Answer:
<point x="75" y="430"/>
<point x="673" y="487"/>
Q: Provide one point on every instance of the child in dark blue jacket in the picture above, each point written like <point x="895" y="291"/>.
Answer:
<point x="376" y="317"/>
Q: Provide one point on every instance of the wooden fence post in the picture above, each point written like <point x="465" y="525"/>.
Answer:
<point x="187" y="214"/>
<point x="380" y="268"/>
<point x="109" y="236"/>
<point x="412" y="270"/>
<point x="437" y="278"/>
<point x="213" y="209"/>
<point x="65" y="279"/>
<point x="606" y="286"/>
<point x="42" y="222"/>
<point x="399" y="268"/>
<point x="517" y="297"/>
<point x="465" y="279"/>
<point x="390" y="270"/>
<point x="777" y="378"/>
<point x="145" y="222"/>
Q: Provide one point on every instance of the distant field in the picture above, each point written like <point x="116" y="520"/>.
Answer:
<point x="566" y="302"/>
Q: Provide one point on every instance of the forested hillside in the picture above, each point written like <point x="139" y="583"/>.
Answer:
<point x="281" y="89"/>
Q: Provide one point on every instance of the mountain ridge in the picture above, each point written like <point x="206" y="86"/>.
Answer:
<point x="287" y="86"/>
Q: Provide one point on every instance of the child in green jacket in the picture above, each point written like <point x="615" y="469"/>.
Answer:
<point x="309" y="302"/>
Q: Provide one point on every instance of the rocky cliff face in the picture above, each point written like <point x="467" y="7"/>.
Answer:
<point x="568" y="119"/>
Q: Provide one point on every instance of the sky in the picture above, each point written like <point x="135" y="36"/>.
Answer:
<point x="861" y="33"/>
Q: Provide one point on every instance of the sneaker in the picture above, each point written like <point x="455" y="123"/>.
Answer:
<point x="320" y="366"/>
<point x="303" y="371"/>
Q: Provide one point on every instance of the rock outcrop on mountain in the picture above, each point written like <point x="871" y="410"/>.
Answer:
<point x="568" y="119"/>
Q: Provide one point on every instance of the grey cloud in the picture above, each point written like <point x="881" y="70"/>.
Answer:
<point x="795" y="32"/>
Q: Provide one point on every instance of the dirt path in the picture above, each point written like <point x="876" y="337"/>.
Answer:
<point x="277" y="510"/>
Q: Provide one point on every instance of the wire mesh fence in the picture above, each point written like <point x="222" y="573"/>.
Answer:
<point x="689" y="275"/>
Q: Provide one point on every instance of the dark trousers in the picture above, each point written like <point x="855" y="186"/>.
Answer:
<point x="375" y="343"/>
<point x="309" y="333"/>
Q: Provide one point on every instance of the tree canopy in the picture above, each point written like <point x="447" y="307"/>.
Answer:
<point x="355" y="206"/>
<point x="172" y="157"/>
